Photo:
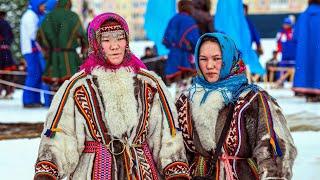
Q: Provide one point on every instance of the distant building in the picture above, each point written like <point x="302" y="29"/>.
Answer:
<point x="133" y="10"/>
<point x="271" y="6"/>
<point x="139" y="8"/>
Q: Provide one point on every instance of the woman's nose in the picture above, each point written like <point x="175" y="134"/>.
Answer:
<point x="210" y="64"/>
<point x="114" y="45"/>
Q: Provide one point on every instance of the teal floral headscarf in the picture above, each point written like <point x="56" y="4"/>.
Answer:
<point x="232" y="80"/>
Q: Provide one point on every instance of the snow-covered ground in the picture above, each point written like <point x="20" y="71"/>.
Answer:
<point x="17" y="157"/>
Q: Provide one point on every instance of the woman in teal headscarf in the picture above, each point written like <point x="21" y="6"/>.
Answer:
<point x="222" y="106"/>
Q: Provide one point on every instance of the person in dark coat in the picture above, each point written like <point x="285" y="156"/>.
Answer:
<point x="6" y="61"/>
<point x="201" y="13"/>
<point x="180" y="38"/>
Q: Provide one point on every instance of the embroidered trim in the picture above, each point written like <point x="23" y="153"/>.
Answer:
<point x="146" y="164"/>
<point x="269" y="123"/>
<point x="102" y="160"/>
<point x="184" y="119"/>
<point x="176" y="169"/>
<point x="47" y="168"/>
<point x="101" y="123"/>
<point x="84" y="105"/>
<point x="148" y="95"/>
<point x="53" y="128"/>
<point x="233" y="141"/>
<point x="164" y="102"/>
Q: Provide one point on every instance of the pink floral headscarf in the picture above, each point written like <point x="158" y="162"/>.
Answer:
<point x="96" y="55"/>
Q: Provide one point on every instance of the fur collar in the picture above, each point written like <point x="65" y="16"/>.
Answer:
<point x="117" y="88"/>
<point x="205" y="117"/>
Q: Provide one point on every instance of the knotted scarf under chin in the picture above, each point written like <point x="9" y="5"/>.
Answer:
<point x="230" y="88"/>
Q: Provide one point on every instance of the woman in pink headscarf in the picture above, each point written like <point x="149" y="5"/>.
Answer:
<point x="113" y="119"/>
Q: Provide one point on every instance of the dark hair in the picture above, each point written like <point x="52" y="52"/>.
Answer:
<point x="147" y="49"/>
<point x="245" y="8"/>
<point x="314" y="2"/>
<point x="210" y="39"/>
<point x="204" y="5"/>
<point x="185" y="6"/>
<point x="2" y="13"/>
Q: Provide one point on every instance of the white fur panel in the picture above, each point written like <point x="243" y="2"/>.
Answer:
<point x="205" y="117"/>
<point x="117" y="89"/>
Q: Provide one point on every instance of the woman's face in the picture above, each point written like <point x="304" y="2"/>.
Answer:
<point x="210" y="61"/>
<point x="114" y="46"/>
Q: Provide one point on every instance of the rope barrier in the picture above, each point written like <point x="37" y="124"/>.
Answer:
<point x="22" y="73"/>
<point x="8" y="83"/>
<point x="158" y="58"/>
<point x="13" y="72"/>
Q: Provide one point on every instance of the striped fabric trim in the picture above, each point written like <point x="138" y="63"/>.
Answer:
<point x="164" y="102"/>
<point x="97" y="108"/>
<point x="150" y="161"/>
<point x="217" y="170"/>
<point x="85" y="107"/>
<point x="53" y="128"/>
<point x="147" y="94"/>
<point x="73" y="33"/>
<point x="102" y="169"/>
<point x="254" y="168"/>
<point x="269" y="123"/>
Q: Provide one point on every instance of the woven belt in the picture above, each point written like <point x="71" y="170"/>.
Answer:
<point x="115" y="146"/>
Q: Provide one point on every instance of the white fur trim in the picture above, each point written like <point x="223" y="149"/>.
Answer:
<point x="205" y="117"/>
<point x="117" y="89"/>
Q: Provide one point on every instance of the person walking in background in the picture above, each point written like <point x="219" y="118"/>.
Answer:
<point x="307" y="37"/>
<point x="285" y="44"/>
<point x="255" y="36"/>
<point x="6" y="60"/>
<point x="59" y="35"/>
<point x="31" y="52"/>
<point x="180" y="38"/>
<point x="157" y="65"/>
<point x="201" y="13"/>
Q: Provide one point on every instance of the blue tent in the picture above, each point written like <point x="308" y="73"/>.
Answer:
<point x="230" y="19"/>
<point x="157" y="17"/>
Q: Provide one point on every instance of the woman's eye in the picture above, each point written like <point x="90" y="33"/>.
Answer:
<point x="203" y="59"/>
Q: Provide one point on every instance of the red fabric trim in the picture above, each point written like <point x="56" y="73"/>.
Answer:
<point x="307" y="90"/>
<point x="47" y="168"/>
<point x="176" y="169"/>
<point x="10" y="68"/>
<point x="50" y="80"/>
